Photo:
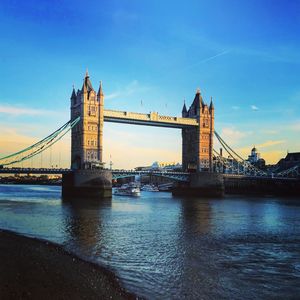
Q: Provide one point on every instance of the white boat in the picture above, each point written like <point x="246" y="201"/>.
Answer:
<point x="128" y="190"/>
<point x="149" y="188"/>
<point x="165" y="187"/>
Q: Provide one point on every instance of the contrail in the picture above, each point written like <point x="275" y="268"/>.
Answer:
<point x="188" y="67"/>
<point x="212" y="57"/>
<point x="207" y="59"/>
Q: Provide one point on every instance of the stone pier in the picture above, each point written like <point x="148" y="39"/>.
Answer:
<point x="87" y="184"/>
<point x="204" y="184"/>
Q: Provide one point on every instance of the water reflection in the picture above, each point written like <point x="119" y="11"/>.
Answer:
<point x="196" y="215"/>
<point x="83" y="224"/>
<point x="198" y="277"/>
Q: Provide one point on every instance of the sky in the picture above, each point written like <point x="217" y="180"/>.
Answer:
<point x="150" y="56"/>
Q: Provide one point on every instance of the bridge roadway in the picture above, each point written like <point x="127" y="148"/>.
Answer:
<point x="151" y="119"/>
<point x="182" y="176"/>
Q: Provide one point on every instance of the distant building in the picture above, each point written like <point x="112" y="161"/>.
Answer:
<point x="291" y="160"/>
<point x="255" y="159"/>
<point x="254" y="156"/>
<point x="161" y="166"/>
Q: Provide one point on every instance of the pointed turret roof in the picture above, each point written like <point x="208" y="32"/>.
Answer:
<point x="100" y="91"/>
<point x="87" y="85"/>
<point x="198" y="101"/>
<point x="184" y="110"/>
<point x="73" y="96"/>
<point x="211" y="105"/>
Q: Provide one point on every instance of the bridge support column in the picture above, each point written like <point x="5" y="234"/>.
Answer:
<point x="202" y="184"/>
<point x="87" y="184"/>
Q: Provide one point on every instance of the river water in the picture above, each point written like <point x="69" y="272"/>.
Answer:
<point x="162" y="247"/>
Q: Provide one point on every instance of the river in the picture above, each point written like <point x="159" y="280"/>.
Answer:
<point x="162" y="247"/>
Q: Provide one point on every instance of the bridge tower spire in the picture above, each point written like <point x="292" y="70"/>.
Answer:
<point x="184" y="110"/>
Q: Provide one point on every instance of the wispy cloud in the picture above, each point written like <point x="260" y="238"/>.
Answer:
<point x="235" y="107"/>
<point x="131" y="88"/>
<point x="19" y="111"/>
<point x="270" y="131"/>
<point x="270" y="143"/>
<point x="254" y="107"/>
<point x="113" y="95"/>
<point x="232" y="135"/>
<point x="295" y="126"/>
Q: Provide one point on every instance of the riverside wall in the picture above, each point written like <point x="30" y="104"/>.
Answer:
<point x="262" y="186"/>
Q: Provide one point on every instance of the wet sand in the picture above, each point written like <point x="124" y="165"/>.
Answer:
<point x="34" y="269"/>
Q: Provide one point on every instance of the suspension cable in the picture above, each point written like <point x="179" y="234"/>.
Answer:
<point x="41" y="145"/>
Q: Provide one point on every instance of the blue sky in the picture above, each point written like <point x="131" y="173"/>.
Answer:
<point x="245" y="54"/>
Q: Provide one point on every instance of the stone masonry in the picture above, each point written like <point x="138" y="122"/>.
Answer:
<point x="197" y="142"/>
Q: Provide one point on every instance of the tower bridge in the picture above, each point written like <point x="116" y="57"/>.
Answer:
<point x="202" y="166"/>
<point x="197" y="124"/>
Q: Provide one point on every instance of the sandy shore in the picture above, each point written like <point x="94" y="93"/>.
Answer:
<point x="34" y="269"/>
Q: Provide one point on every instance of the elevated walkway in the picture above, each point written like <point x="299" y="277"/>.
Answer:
<point x="152" y="119"/>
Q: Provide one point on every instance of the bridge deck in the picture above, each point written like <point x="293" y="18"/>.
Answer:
<point x="63" y="171"/>
<point x="126" y="173"/>
<point x="152" y="119"/>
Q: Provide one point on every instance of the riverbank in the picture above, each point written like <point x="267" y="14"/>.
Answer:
<point x="34" y="269"/>
<point x="29" y="181"/>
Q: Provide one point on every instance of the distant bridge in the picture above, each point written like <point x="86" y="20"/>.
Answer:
<point x="179" y="176"/>
<point x="116" y="174"/>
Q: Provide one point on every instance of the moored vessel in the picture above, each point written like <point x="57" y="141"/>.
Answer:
<point x="128" y="190"/>
<point x="149" y="188"/>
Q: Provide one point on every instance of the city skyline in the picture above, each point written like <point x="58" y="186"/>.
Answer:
<point x="151" y="57"/>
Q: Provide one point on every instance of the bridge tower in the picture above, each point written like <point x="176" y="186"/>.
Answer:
<point x="87" y="136"/>
<point x="88" y="179"/>
<point x="197" y="143"/>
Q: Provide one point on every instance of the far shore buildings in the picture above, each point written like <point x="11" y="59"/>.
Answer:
<point x="255" y="159"/>
<point x="161" y="166"/>
<point x="291" y="160"/>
